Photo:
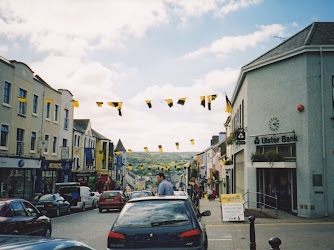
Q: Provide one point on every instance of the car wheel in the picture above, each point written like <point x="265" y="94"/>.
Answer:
<point x="100" y="210"/>
<point x="68" y="210"/>
<point x="47" y="232"/>
<point x="83" y="208"/>
<point x="58" y="212"/>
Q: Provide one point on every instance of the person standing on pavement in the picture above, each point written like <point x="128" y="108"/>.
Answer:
<point x="165" y="188"/>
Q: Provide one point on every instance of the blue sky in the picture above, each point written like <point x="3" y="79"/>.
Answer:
<point x="137" y="50"/>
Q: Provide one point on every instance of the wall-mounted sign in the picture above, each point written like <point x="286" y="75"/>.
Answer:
<point x="54" y="165"/>
<point x="275" y="139"/>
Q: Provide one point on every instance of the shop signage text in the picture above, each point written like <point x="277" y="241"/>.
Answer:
<point x="275" y="140"/>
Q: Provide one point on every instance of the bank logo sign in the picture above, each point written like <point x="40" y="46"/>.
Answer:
<point x="275" y="139"/>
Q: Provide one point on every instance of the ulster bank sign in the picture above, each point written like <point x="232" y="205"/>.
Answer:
<point x="275" y="139"/>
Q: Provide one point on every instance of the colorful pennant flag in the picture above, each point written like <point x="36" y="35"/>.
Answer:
<point x="169" y="102"/>
<point x="181" y="101"/>
<point x="203" y="101"/>
<point x="141" y="167"/>
<point x="228" y="108"/>
<point x="130" y="166"/>
<point x="178" y="167"/>
<point x="117" y="153"/>
<point x="22" y="99"/>
<point x="149" y="167"/>
<point x="149" y="104"/>
<point x="99" y="104"/>
<point x="146" y="149"/>
<point x="75" y="103"/>
<point x="130" y="151"/>
<point x="192" y="141"/>
<point x="117" y="105"/>
<point x="158" y="168"/>
<point x="186" y="165"/>
<point x="209" y="102"/>
<point x="100" y="154"/>
<point x="160" y="148"/>
<point x="213" y="97"/>
<point x="48" y="100"/>
<point x="177" y="145"/>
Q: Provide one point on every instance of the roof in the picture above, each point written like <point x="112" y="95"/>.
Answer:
<point x="120" y="147"/>
<point x="318" y="33"/>
<point x="149" y="198"/>
<point x="98" y="135"/>
<point x="80" y="124"/>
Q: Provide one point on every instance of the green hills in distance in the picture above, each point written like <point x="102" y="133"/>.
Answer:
<point x="156" y="159"/>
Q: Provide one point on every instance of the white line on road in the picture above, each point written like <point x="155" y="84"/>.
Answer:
<point x="219" y="239"/>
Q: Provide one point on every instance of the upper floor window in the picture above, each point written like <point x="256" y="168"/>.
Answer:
<point x="56" y="113"/>
<point x="78" y="142"/>
<point x="48" y="108"/>
<point x="33" y="141"/>
<point x="46" y="142"/>
<point x="66" y="119"/>
<point x="6" y="92"/>
<point x="64" y="143"/>
<point x="20" y="141"/>
<point x="54" y="145"/>
<point x="4" y="136"/>
<point x="22" y="102"/>
<point x="34" y="104"/>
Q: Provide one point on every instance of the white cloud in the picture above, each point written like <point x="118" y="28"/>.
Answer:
<point x="227" y="44"/>
<point x="233" y="5"/>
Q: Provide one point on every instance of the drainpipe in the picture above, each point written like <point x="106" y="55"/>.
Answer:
<point x="324" y="169"/>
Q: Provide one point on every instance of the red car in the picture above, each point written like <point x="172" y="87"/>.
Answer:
<point x="111" y="199"/>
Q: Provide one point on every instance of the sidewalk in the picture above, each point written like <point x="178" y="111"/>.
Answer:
<point x="235" y="234"/>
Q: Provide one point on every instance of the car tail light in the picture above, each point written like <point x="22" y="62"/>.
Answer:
<point x="50" y="204"/>
<point x="190" y="233"/>
<point x="115" y="235"/>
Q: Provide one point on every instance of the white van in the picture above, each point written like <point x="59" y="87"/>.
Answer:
<point x="80" y="197"/>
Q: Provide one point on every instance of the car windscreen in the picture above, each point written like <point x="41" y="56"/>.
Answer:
<point x="109" y="194"/>
<point x="154" y="213"/>
<point x="47" y="197"/>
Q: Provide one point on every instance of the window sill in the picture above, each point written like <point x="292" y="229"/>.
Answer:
<point x="3" y="148"/>
<point x="6" y="105"/>
<point x="56" y="122"/>
<point x="54" y="154"/>
<point x="45" y="153"/>
<point x="34" y="114"/>
<point x="32" y="151"/>
<point x="47" y="119"/>
<point x="22" y="115"/>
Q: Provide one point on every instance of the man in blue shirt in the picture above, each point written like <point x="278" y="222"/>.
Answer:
<point x="165" y="188"/>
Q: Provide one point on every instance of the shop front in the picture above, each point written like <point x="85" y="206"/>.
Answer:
<point x="17" y="177"/>
<point x="86" y="179"/>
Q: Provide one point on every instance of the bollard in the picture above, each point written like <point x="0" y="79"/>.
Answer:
<point x="252" y="244"/>
<point x="275" y="243"/>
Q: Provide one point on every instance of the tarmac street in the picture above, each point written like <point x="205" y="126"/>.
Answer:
<point x="294" y="232"/>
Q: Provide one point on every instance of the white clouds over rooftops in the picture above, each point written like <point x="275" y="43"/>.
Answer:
<point x="227" y="44"/>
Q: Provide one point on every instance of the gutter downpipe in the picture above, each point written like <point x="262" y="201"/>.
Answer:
<point x="324" y="169"/>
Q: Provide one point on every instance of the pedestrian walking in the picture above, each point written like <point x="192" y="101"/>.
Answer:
<point x="165" y="188"/>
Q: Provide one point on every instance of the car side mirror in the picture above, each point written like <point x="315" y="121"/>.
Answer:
<point x="91" y="194"/>
<point x="206" y="213"/>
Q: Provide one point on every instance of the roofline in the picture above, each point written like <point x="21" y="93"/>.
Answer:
<point x="295" y="52"/>
<point x="14" y="61"/>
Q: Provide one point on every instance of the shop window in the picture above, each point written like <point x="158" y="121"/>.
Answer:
<point x="4" y="136"/>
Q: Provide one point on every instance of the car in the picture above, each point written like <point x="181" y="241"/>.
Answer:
<point x="180" y="193"/>
<point x="53" y="204"/>
<point x="96" y="197"/>
<point x="137" y="194"/>
<point x="80" y="197"/>
<point x="39" y="243"/>
<point x="158" y="222"/>
<point x="111" y="200"/>
<point x="19" y="216"/>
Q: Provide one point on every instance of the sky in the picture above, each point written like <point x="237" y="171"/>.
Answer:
<point x="131" y="51"/>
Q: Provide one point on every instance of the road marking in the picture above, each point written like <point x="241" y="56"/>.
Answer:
<point x="275" y="224"/>
<point x="219" y="239"/>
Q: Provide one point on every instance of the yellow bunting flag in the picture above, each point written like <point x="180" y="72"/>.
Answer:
<point x="75" y="103"/>
<point x="169" y="102"/>
<point x="117" y="153"/>
<point x="149" y="104"/>
<point x="158" y="168"/>
<point x="141" y="167"/>
<point x="48" y="100"/>
<point x="22" y="99"/>
<point x="146" y="149"/>
<point x="177" y="145"/>
<point x="203" y="101"/>
<point x="186" y="165"/>
<point x="209" y="102"/>
<point x="130" y="151"/>
<point x="192" y="141"/>
<point x="149" y="167"/>
<point x="99" y="104"/>
<point x="213" y="97"/>
<point x="101" y="154"/>
<point x="130" y="166"/>
<point x="181" y="101"/>
<point x="117" y="105"/>
<point x="228" y="108"/>
<point x="160" y="148"/>
<point x="178" y="167"/>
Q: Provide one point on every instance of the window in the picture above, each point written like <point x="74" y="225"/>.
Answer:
<point x="56" y="113"/>
<point x="75" y="140"/>
<point x="48" y="107"/>
<point x="18" y="209"/>
<point x="33" y="141"/>
<point x="78" y="142"/>
<point x="64" y="142"/>
<point x="46" y="142"/>
<point x="6" y="92"/>
<point x="4" y="135"/>
<point x="54" y="145"/>
<point x="66" y="119"/>
<point x="287" y="150"/>
<point x="20" y="141"/>
<point x="22" y="102"/>
<point x="34" y="104"/>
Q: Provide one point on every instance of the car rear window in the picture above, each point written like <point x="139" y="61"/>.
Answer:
<point x="47" y="197"/>
<point x="154" y="213"/>
<point x="109" y="194"/>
